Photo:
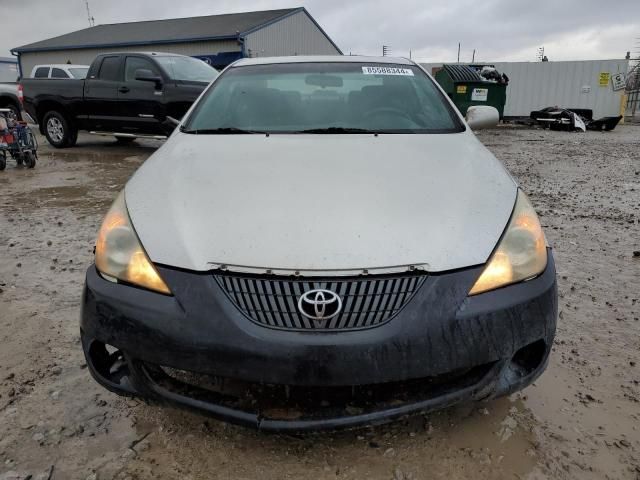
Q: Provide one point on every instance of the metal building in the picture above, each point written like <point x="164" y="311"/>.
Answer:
<point x="590" y="84"/>
<point x="216" y="39"/>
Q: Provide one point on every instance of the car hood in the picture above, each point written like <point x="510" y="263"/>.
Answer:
<point x="321" y="203"/>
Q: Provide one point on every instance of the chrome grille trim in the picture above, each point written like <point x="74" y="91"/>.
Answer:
<point x="367" y="301"/>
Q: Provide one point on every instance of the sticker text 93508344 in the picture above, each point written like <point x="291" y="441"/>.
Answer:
<point x="387" y="71"/>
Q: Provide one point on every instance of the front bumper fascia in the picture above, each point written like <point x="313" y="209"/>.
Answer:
<point x="440" y="330"/>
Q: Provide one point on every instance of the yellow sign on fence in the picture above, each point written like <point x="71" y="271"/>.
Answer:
<point x="604" y="79"/>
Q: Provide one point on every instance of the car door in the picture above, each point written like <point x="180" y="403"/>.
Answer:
<point x="101" y="95"/>
<point x="141" y="102"/>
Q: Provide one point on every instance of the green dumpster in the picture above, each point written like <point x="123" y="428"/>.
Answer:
<point x="466" y="87"/>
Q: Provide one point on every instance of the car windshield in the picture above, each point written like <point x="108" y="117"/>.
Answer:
<point x="340" y="97"/>
<point x="187" y="69"/>
<point x="79" y="72"/>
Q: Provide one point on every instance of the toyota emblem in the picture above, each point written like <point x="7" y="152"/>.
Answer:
<point x="319" y="304"/>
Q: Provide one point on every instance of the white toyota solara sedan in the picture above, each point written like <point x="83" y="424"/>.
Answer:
<point x="322" y="243"/>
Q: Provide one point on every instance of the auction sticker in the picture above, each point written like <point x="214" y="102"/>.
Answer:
<point x="387" y="71"/>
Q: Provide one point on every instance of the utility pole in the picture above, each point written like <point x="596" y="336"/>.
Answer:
<point x="473" y="57"/>
<point x="92" y="21"/>
<point x="458" y="52"/>
<point x="385" y="50"/>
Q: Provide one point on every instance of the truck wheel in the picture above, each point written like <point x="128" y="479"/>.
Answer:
<point x="58" y="130"/>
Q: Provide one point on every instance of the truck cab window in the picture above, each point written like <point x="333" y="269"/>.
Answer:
<point x="42" y="72"/>
<point x="110" y="69"/>
<point x="58" y="73"/>
<point x="136" y="63"/>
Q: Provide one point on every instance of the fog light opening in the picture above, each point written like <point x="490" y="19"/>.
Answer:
<point x="529" y="358"/>
<point x="109" y="362"/>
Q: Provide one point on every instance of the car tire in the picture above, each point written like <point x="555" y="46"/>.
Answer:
<point x="58" y="129"/>
<point x="125" y="140"/>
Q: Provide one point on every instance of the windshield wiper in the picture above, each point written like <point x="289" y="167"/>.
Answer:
<point x="218" y="131"/>
<point x="331" y="130"/>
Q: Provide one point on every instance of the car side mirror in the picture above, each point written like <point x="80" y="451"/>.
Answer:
<point x="144" y="75"/>
<point x="482" y="116"/>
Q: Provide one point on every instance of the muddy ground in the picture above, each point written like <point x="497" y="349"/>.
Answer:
<point x="580" y="420"/>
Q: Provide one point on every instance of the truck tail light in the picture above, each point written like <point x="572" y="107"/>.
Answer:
<point x="20" y="93"/>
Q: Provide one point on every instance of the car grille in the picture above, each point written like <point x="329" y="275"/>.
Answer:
<point x="366" y="301"/>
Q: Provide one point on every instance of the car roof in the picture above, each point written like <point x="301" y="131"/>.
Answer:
<point x="322" y="59"/>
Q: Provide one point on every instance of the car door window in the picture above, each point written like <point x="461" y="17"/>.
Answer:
<point x="42" y="72"/>
<point x="110" y="69"/>
<point x="136" y="63"/>
<point x="58" y="73"/>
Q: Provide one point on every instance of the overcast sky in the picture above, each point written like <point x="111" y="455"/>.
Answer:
<point x="497" y="29"/>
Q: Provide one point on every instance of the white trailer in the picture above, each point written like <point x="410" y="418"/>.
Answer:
<point x="590" y="84"/>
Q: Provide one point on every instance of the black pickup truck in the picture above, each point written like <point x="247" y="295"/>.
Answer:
<point x="127" y="95"/>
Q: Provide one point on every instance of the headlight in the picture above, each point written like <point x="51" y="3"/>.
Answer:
<point x="119" y="253"/>
<point x="521" y="254"/>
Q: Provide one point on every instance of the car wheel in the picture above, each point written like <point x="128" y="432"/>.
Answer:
<point x="125" y="140"/>
<point x="58" y="130"/>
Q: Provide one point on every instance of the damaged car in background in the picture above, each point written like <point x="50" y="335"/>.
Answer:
<point x="336" y="249"/>
<point x="573" y="119"/>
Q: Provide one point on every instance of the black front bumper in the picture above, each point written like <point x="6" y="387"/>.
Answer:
<point x="442" y="348"/>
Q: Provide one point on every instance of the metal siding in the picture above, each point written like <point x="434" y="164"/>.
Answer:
<point x="535" y="85"/>
<point x="293" y="35"/>
<point x="86" y="56"/>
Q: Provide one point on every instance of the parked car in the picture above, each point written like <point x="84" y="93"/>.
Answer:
<point x="125" y="94"/>
<point x="60" y="71"/>
<point x="333" y="247"/>
<point x="8" y="85"/>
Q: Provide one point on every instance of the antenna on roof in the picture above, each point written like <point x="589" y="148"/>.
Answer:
<point x="92" y="21"/>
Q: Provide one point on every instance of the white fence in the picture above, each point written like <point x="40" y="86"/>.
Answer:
<point x="575" y="84"/>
